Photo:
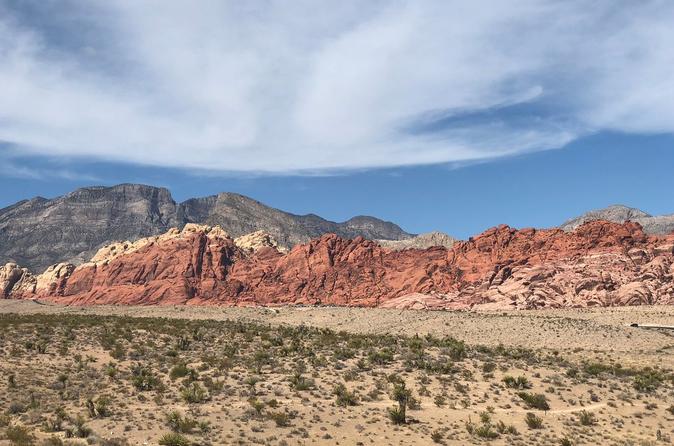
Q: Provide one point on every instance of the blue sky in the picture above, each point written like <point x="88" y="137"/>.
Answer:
<point x="441" y="115"/>
<point x="539" y="189"/>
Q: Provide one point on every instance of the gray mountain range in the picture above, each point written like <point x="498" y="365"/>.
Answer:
<point x="661" y="224"/>
<point x="39" y="232"/>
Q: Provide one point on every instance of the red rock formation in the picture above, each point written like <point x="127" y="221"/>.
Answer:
<point x="600" y="263"/>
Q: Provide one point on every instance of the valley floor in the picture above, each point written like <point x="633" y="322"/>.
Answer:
<point x="320" y="375"/>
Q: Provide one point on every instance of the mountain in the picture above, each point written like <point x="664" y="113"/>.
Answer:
<point x="40" y="232"/>
<point x="598" y="264"/>
<point x="662" y="224"/>
<point x="239" y="215"/>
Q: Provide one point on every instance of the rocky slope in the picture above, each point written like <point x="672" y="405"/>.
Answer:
<point x="421" y="241"/>
<point x="40" y="232"/>
<point x="599" y="263"/>
<point x="662" y="224"/>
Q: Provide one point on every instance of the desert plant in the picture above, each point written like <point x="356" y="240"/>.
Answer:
<point x="144" y="379"/>
<point x="533" y="421"/>
<point x="174" y="439"/>
<point x="647" y="380"/>
<point x="282" y="419"/>
<point x="534" y="400"/>
<point x="194" y="393"/>
<point x="343" y="396"/>
<point x="402" y="395"/>
<point x="586" y="418"/>
<point x="521" y="382"/>
<point x="19" y="435"/>
<point x="300" y="383"/>
<point x="99" y="408"/>
<point x="177" y="423"/>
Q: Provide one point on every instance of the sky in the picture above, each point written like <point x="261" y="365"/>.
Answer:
<point x="437" y="115"/>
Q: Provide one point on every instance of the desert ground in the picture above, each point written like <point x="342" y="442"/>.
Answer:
<point x="320" y="375"/>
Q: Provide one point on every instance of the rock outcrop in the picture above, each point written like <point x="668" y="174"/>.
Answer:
<point x="598" y="264"/>
<point x="41" y="232"/>
<point x="661" y="224"/>
<point x="421" y="241"/>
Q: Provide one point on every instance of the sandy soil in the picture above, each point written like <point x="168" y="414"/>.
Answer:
<point x="593" y="369"/>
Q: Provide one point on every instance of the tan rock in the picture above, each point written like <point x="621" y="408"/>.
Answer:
<point x="257" y="240"/>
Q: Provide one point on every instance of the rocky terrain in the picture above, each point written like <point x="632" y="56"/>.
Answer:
<point x="662" y="224"/>
<point x="598" y="264"/>
<point x="178" y="376"/>
<point x="41" y="232"/>
<point x="421" y="241"/>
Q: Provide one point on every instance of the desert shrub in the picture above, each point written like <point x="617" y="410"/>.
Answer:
<point x="55" y="424"/>
<point x="586" y="418"/>
<point x="485" y="431"/>
<point x="534" y="400"/>
<point x="282" y="419"/>
<point x="144" y="379"/>
<point x="647" y="380"/>
<point x="402" y="395"/>
<point x="177" y="423"/>
<point x="194" y="393"/>
<point x="300" y="383"/>
<point x="79" y="429"/>
<point x="565" y="442"/>
<point x="111" y="370"/>
<point x="521" y="382"/>
<point x="174" y="439"/>
<point x="99" y="408"/>
<point x="183" y="343"/>
<point x="19" y="436"/>
<point x="381" y="357"/>
<point x="503" y="428"/>
<point x="397" y="415"/>
<point x="436" y="436"/>
<point x="178" y="371"/>
<point x="533" y="421"/>
<point x="16" y="407"/>
<point x="343" y="396"/>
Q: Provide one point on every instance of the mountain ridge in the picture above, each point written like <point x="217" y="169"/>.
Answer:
<point x="618" y="213"/>
<point x="40" y="232"/>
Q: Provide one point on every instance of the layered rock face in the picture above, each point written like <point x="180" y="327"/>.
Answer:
<point x="40" y="232"/>
<point x="600" y="263"/>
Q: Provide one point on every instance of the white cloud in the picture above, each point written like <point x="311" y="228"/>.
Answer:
<point x="304" y="86"/>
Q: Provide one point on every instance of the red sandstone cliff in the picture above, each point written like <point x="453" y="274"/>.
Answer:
<point x="600" y="263"/>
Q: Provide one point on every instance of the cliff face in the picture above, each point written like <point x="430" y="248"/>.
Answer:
<point x="600" y="263"/>
<point x="40" y="232"/>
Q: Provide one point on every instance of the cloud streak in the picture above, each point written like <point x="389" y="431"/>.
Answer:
<point x="309" y="86"/>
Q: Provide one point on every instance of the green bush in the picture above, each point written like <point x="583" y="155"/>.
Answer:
<point x="174" y="439"/>
<point x="343" y="396"/>
<point x="177" y="423"/>
<point x="533" y="421"/>
<point x="20" y="436"/>
<point x="586" y="418"/>
<point x="534" y="400"/>
<point x="143" y="378"/>
<point x="194" y="393"/>
<point x="521" y="382"/>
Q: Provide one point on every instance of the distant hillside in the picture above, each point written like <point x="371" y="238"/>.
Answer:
<point x="662" y="224"/>
<point x="39" y="232"/>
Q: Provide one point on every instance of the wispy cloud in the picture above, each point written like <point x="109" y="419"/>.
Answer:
<point x="308" y="86"/>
